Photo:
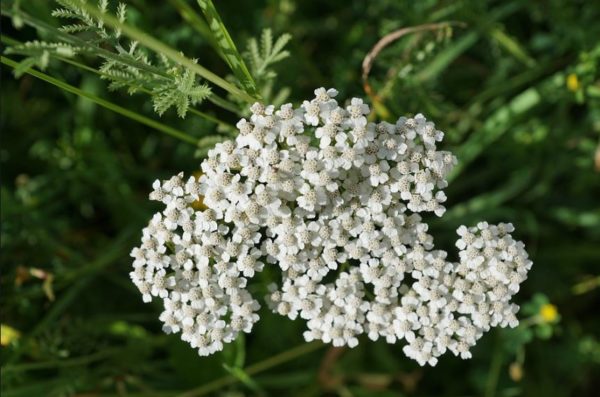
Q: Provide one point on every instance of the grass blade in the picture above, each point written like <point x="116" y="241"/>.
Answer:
<point x="447" y="56"/>
<point x="512" y="46"/>
<point x="196" y="22"/>
<point x="232" y="56"/>
<point x="494" y="127"/>
<point x="494" y="199"/>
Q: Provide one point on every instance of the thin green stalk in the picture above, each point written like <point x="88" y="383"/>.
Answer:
<point x="586" y="286"/>
<point x="284" y="357"/>
<point x="223" y="103"/>
<point x="494" y="373"/>
<point x="255" y="368"/>
<point x="106" y="104"/>
<point x="9" y="40"/>
<point x="211" y="118"/>
<point x="161" y="48"/>
<point x="196" y="22"/>
<point x="137" y="394"/>
<point x="71" y="362"/>
<point x="223" y="38"/>
<point x="512" y="46"/>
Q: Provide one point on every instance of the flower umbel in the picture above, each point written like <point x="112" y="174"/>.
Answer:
<point x="321" y="194"/>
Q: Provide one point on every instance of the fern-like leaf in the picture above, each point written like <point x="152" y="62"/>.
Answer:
<point x="128" y="66"/>
<point x="76" y="28"/>
<point x="181" y="93"/>
<point x="36" y="48"/>
<point x="278" y="52"/>
<point x="163" y="100"/>
<point x="266" y="41"/>
<point x="64" y="13"/>
<point x="199" y="93"/>
<point x="269" y="53"/>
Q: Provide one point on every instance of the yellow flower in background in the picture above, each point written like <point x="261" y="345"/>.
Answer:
<point x="548" y="313"/>
<point x="8" y="335"/>
<point x="573" y="82"/>
<point x="515" y="371"/>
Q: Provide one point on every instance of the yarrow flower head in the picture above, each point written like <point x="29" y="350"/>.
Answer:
<point x="332" y="202"/>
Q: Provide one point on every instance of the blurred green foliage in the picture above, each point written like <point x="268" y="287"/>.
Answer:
<point x="516" y="88"/>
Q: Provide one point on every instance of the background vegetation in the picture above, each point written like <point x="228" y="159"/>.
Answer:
<point x="516" y="88"/>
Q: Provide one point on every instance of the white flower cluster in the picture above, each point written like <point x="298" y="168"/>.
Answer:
<point x="331" y="201"/>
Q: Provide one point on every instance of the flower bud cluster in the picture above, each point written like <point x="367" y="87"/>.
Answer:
<point x="332" y="202"/>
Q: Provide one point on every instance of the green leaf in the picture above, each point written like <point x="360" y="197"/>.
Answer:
<point x="163" y="100"/>
<point x="543" y="331"/>
<point x="268" y="54"/>
<point x="446" y="57"/>
<point x="232" y="56"/>
<point x="197" y="23"/>
<point x="512" y="46"/>
<point x="494" y="127"/>
<point x="75" y="28"/>
<point x="245" y="379"/>
<point x="493" y="199"/>
<point x="515" y="338"/>
<point x="24" y="66"/>
<point x="180" y="92"/>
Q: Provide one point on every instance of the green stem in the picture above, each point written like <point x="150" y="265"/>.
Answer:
<point x="255" y="368"/>
<point x="223" y="39"/>
<point x="494" y="374"/>
<point x="223" y="103"/>
<point x="9" y="40"/>
<point x="72" y="362"/>
<point x="106" y="104"/>
<point x="211" y="118"/>
<point x="196" y="22"/>
<point x="161" y="48"/>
